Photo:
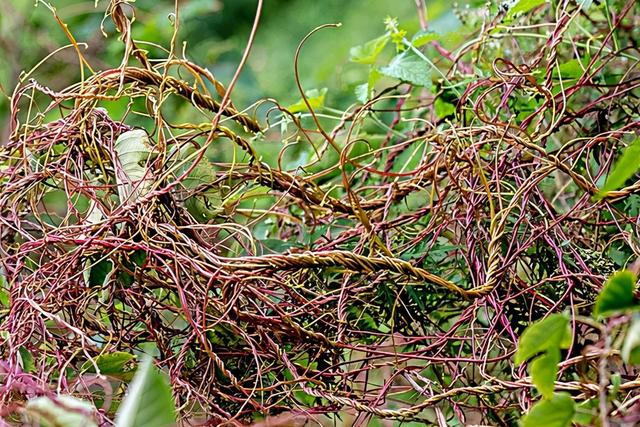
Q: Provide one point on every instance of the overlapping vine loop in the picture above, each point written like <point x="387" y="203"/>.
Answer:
<point x="387" y="280"/>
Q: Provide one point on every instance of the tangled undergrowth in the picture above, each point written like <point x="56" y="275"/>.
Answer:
<point x="377" y="262"/>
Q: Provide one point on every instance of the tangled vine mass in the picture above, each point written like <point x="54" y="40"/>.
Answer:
<point x="389" y="274"/>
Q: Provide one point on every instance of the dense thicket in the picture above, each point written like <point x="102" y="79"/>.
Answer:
<point x="380" y="262"/>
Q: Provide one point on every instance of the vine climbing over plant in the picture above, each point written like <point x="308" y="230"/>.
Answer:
<point x="428" y="246"/>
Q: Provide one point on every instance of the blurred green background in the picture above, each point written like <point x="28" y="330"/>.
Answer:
<point x="215" y="33"/>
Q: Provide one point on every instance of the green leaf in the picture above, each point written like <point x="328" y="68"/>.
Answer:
<point x="409" y="67"/>
<point x="133" y="153"/>
<point x="98" y="274"/>
<point x="275" y="245"/>
<point x="138" y="257"/>
<point x="585" y="4"/>
<point x="631" y="347"/>
<point x="624" y="168"/>
<point x="444" y="109"/>
<point x="544" y="370"/>
<point x="616" y="295"/>
<point x="27" y="360"/>
<point x="364" y="92"/>
<point x="586" y="412"/>
<point x="616" y="381"/>
<point x="416" y="297"/>
<point x="423" y="37"/>
<point x="368" y="53"/>
<point x="524" y="6"/>
<point x="567" y="339"/>
<point x="571" y="70"/>
<point x="315" y="98"/>
<point x="65" y="411"/>
<point x="148" y="402"/>
<point x="555" y="412"/>
<point x="5" y="295"/>
<point x="632" y="205"/>
<point x="113" y="365"/>
<point x="541" y="336"/>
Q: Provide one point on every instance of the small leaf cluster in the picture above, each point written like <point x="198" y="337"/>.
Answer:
<point x="409" y="64"/>
<point x="541" y="344"/>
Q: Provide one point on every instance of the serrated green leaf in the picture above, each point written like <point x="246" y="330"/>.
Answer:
<point x="65" y="411"/>
<point x="624" y="168"/>
<point x="542" y="336"/>
<point x="524" y="6"/>
<point x="544" y="370"/>
<point x="409" y="67"/>
<point x="423" y="37"/>
<point x="555" y="412"/>
<point x="631" y="348"/>
<point x="315" y="98"/>
<point x="148" y="402"/>
<point x="616" y="295"/>
<point x="368" y="53"/>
